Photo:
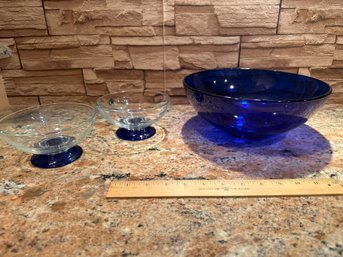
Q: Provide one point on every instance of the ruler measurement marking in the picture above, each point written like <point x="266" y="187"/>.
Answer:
<point x="224" y="188"/>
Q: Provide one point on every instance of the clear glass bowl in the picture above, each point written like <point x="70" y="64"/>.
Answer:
<point x="50" y="132"/>
<point x="253" y="102"/>
<point x="134" y="112"/>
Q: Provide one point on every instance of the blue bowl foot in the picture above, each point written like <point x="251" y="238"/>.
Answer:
<point x="56" y="160"/>
<point x="135" y="135"/>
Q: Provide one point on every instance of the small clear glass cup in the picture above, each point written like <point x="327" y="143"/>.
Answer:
<point x="50" y="132"/>
<point x="134" y="112"/>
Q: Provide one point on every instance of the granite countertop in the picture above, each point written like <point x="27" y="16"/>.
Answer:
<point x="64" y="212"/>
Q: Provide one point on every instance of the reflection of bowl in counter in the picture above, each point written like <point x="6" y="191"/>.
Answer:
<point x="134" y="112"/>
<point x="255" y="103"/>
<point x="50" y="132"/>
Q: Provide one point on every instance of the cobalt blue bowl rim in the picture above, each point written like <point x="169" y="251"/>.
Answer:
<point x="329" y="88"/>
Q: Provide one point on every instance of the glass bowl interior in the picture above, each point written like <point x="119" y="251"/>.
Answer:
<point x="48" y="129"/>
<point x="257" y="85"/>
<point x="133" y="110"/>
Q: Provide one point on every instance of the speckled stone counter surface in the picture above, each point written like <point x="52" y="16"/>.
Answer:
<point x="64" y="212"/>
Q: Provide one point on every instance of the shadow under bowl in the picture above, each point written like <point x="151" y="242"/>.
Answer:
<point x="253" y="103"/>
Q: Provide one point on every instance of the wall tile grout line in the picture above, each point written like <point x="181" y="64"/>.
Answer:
<point x="84" y="82"/>
<point x="45" y="19"/>
<point x="19" y="56"/>
<point x="278" y="18"/>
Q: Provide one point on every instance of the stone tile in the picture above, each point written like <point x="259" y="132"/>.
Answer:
<point x="179" y="100"/>
<point x="288" y="51"/>
<point x="20" y="3"/>
<point x="137" y="41"/>
<point x="86" y="22"/>
<point x="23" y="100"/>
<point x="57" y="82"/>
<point x="223" y="2"/>
<point x="129" y="85"/>
<point x="132" y="31"/>
<point x="104" y="17"/>
<point x="175" y="40"/>
<point x="82" y="57"/>
<point x="208" y="57"/>
<point x="193" y="20"/>
<point x="173" y="79"/>
<point x="331" y="75"/>
<point x="215" y="40"/>
<point x="338" y="56"/>
<point x="99" y="89"/>
<point x="56" y="42"/>
<point x="152" y="11"/>
<point x="31" y="21"/>
<point x="290" y="70"/>
<point x="77" y="4"/>
<point x="248" y="17"/>
<point x="326" y="73"/>
<point x="176" y="92"/>
<point x="226" y="18"/>
<point x="304" y="71"/>
<point x="121" y="56"/>
<point x="151" y="58"/>
<point x="177" y="95"/>
<point x="279" y="41"/>
<point x="281" y="58"/>
<point x="310" y="3"/>
<point x="13" y="61"/>
<point x="112" y="74"/>
<point x="66" y="52"/>
<point x="191" y="52"/>
<point x="169" y="12"/>
<point x="204" y="60"/>
<point x="168" y="31"/>
<point x="100" y="82"/>
<point x="311" y="19"/>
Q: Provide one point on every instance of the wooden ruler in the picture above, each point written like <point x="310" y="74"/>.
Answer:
<point x="224" y="188"/>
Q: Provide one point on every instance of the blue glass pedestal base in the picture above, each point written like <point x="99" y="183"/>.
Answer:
<point x="135" y="135"/>
<point x="56" y="160"/>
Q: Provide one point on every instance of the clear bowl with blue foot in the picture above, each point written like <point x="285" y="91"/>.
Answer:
<point x="134" y="113"/>
<point x="50" y="132"/>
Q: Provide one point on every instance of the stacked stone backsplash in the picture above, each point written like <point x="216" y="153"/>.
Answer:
<point x="77" y="50"/>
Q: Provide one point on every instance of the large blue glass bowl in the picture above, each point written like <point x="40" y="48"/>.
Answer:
<point x="255" y="103"/>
